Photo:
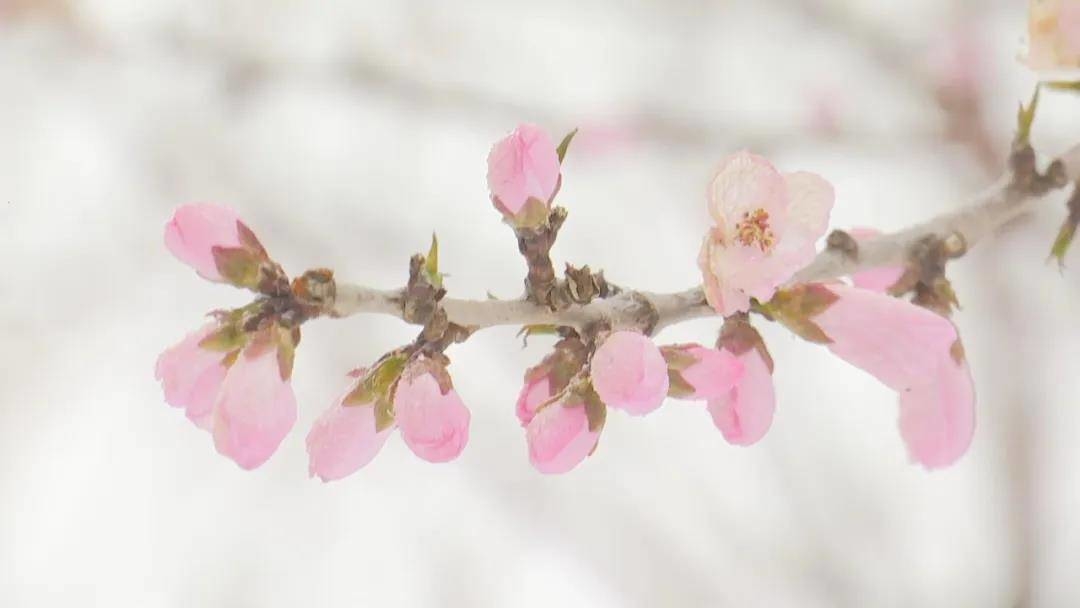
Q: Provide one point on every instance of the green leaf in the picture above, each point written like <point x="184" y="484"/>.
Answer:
<point x="1063" y="241"/>
<point x="565" y="144"/>
<point x="431" y="263"/>
<point x="1064" y="85"/>
<point x="1025" y="117"/>
<point x="250" y="241"/>
<point x="238" y="266"/>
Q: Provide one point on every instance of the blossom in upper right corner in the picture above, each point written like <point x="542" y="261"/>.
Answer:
<point x="766" y="225"/>
<point x="1054" y="35"/>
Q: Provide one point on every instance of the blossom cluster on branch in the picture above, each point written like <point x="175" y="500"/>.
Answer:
<point x="880" y="302"/>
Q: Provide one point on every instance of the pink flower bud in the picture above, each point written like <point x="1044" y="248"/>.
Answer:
<point x="533" y="394"/>
<point x="766" y="227"/>
<point x="434" y="422"/>
<point x="191" y="376"/>
<point x="1054" y="32"/>
<point x="745" y="412"/>
<point x="344" y="439"/>
<point x="195" y="230"/>
<point x="255" y="409"/>
<point x="895" y="341"/>
<point x="937" y="417"/>
<point x="915" y="352"/>
<point x="559" y="438"/>
<point x="629" y="373"/>
<point x="700" y="372"/>
<point x="523" y="166"/>
<point x="874" y="279"/>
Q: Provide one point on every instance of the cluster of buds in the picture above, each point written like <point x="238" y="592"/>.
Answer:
<point x="232" y="375"/>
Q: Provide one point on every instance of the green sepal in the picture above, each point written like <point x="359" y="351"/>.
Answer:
<point x="250" y="241"/>
<point x="378" y="382"/>
<point x="384" y="414"/>
<point x="1063" y="85"/>
<point x="286" y="351"/>
<point x="795" y="307"/>
<point x="678" y="387"/>
<point x="226" y="339"/>
<point x="595" y="410"/>
<point x="1025" y="116"/>
<point x="238" y="266"/>
<point x="533" y="214"/>
<point x="677" y="358"/>
<point x="564" y="145"/>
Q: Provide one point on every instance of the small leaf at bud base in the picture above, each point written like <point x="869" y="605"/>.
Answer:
<point x="431" y="263"/>
<point x="564" y="145"/>
<point x="384" y="414"/>
<point x="738" y="336"/>
<point x="1061" y="243"/>
<point x="1025" y="116"/>
<point x="795" y="308"/>
<point x="534" y="214"/>
<point x="250" y="241"/>
<point x="226" y="339"/>
<point x="238" y="266"/>
<point x="378" y="381"/>
<point x="528" y="331"/>
<point x="286" y="351"/>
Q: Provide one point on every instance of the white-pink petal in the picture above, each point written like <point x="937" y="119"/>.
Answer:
<point x="559" y="438"/>
<point x="630" y="373"/>
<point x="745" y="413"/>
<point x="435" y="425"/>
<point x="344" y="439"/>
<point x="194" y="231"/>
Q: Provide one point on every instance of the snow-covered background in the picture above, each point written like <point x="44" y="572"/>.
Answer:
<point x="346" y="133"/>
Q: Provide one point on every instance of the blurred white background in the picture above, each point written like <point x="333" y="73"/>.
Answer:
<point x="345" y="133"/>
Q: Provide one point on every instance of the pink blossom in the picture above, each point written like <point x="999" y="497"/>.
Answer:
<point x="433" y="420"/>
<point x="522" y="166"/>
<point x="191" y="376"/>
<point x="533" y="394"/>
<point x="915" y="352"/>
<point x="745" y="412"/>
<point x="765" y="228"/>
<point x="255" y="408"/>
<point x="895" y="341"/>
<point x="195" y="230"/>
<point x="937" y="417"/>
<point x="344" y="439"/>
<point x="1054" y="32"/>
<point x="629" y="373"/>
<point x="874" y="279"/>
<point x="705" y="372"/>
<point x="559" y="437"/>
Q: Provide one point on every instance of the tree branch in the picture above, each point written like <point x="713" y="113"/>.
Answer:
<point x="1013" y="195"/>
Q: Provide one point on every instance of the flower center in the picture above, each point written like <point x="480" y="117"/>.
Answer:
<point x="754" y="230"/>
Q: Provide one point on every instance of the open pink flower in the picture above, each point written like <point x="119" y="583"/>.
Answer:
<point x="344" y="439"/>
<point x="1054" y="34"/>
<point x="523" y="166"/>
<point x="191" y="376"/>
<point x="195" y="230"/>
<point x="915" y="352"/>
<point x="433" y="420"/>
<point x="874" y="279"/>
<point x="699" y="373"/>
<point x="744" y="412"/>
<point x="766" y="227"/>
<point x="255" y="408"/>
<point x="559" y="437"/>
<point x="629" y="373"/>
